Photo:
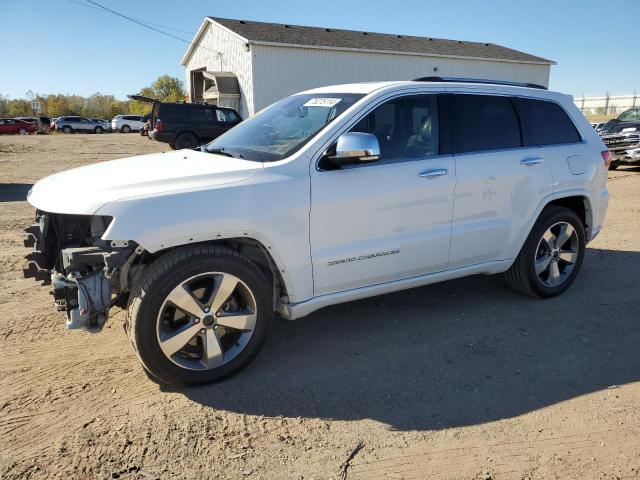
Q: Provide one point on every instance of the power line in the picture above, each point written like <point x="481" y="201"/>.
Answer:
<point x="139" y="20"/>
<point x="146" y="25"/>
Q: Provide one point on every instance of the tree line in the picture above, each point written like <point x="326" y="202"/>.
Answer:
<point x="164" y="88"/>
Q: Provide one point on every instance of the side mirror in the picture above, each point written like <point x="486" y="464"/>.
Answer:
<point x="355" y="147"/>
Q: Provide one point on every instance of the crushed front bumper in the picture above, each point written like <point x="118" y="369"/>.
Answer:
<point x="83" y="276"/>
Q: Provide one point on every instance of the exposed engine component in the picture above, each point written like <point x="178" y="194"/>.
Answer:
<point x="84" y="270"/>
<point x="87" y="299"/>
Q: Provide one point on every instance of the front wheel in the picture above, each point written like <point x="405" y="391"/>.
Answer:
<point x="66" y="129"/>
<point x="551" y="257"/>
<point x="125" y="129"/>
<point x="22" y="131"/>
<point x="614" y="165"/>
<point x="98" y="130"/>
<point x="199" y="315"/>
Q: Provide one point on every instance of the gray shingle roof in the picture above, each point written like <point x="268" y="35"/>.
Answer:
<point x="336" y="38"/>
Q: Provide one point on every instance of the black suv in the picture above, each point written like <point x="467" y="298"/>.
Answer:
<point x="188" y="125"/>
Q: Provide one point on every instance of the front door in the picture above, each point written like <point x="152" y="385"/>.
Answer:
<point x="387" y="220"/>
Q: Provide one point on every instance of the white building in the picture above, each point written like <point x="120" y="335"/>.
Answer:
<point x="248" y="65"/>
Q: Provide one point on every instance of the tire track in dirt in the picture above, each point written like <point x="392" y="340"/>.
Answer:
<point x="523" y="454"/>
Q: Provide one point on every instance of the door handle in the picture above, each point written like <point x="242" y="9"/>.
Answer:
<point x="435" y="172"/>
<point x="531" y="161"/>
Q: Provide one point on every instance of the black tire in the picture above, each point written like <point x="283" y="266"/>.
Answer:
<point x="522" y="276"/>
<point x="125" y="129"/>
<point x="614" y="165"/>
<point x="22" y="131"/>
<point x="67" y="129"/>
<point x="98" y="130"/>
<point x="169" y="271"/>
<point x="186" y="140"/>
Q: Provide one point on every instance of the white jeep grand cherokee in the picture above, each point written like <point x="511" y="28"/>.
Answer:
<point x="326" y="196"/>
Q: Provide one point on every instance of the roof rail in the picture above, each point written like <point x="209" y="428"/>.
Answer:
<point x="479" y="80"/>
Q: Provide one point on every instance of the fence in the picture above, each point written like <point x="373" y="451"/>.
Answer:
<point x="607" y="104"/>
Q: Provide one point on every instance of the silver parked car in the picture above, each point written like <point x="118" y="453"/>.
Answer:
<point x="80" y="124"/>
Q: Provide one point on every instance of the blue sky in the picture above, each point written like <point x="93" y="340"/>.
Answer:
<point x="63" y="47"/>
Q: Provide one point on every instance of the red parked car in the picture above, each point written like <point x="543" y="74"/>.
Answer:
<point x="13" y="125"/>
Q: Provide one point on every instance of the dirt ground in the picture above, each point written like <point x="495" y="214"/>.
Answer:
<point x="460" y="380"/>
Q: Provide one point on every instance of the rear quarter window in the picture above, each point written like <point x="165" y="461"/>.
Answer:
<point x="545" y="123"/>
<point x="483" y="122"/>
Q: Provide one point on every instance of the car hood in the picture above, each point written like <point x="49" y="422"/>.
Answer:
<point x="84" y="190"/>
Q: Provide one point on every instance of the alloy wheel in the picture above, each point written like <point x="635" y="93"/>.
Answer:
<point x="206" y="321"/>
<point x="556" y="254"/>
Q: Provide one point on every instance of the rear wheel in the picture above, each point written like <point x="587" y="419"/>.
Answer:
<point x="199" y="315"/>
<point x="186" y="140"/>
<point x="125" y="129"/>
<point x="67" y="129"/>
<point x="98" y="130"/>
<point x="552" y="255"/>
<point x="22" y="131"/>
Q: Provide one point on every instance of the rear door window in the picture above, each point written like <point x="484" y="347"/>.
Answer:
<point x="482" y="122"/>
<point x="545" y="123"/>
<point x="170" y="112"/>
<point x="203" y="114"/>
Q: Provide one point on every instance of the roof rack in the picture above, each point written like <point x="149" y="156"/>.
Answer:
<point x="479" y="80"/>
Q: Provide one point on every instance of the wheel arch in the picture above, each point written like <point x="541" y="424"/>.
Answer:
<point x="575" y="200"/>
<point x="259" y="251"/>
<point x="580" y="205"/>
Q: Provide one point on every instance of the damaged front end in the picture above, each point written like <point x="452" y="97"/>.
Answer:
<point x="87" y="274"/>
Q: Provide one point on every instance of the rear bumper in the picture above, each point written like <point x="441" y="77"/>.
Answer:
<point x="599" y="205"/>
<point x="628" y="156"/>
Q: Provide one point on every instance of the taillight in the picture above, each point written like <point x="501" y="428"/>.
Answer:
<point x="159" y="127"/>
<point x="606" y="158"/>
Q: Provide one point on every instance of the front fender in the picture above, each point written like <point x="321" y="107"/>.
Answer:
<point x="268" y="211"/>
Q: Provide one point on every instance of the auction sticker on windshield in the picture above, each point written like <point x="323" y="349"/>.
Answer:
<point x="322" y="102"/>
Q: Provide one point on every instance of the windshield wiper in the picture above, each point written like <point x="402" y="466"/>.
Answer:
<point x="221" y="151"/>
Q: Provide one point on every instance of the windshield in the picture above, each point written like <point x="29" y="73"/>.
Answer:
<point x="282" y="128"/>
<point x="630" y="115"/>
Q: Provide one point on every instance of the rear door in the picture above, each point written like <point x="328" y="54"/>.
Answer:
<point x="500" y="182"/>
<point x="85" y="125"/>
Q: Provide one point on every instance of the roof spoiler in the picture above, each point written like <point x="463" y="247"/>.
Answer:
<point x="479" y="80"/>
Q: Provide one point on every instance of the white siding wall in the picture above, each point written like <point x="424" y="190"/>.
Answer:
<point x="234" y="58"/>
<point x="281" y="71"/>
